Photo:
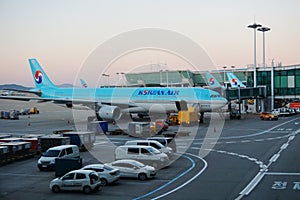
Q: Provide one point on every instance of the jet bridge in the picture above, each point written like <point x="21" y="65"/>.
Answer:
<point x="240" y="94"/>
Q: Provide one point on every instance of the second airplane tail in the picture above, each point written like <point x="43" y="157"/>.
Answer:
<point x="234" y="81"/>
<point x="39" y="76"/>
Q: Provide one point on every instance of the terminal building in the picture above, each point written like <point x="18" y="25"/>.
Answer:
<point x="286" y="83"/>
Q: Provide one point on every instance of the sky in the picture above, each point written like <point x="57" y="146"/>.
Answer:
<point x="62" y="34"/>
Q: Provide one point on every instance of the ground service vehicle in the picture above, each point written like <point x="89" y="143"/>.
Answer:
<point x="47" y="160"/>
<point x="133" y="169"/>
<point x="107" y="174"/>
<point x="152" y="143"/>
<point x="82" y="180"/>
<point x="267" y="116"/>
<point x="145" y="154"/>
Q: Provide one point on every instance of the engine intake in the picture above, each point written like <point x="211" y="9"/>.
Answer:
<point x="110" y="113"/>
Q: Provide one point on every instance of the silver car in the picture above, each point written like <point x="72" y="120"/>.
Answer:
<point x="106" y="173"/>
<point x="82" y="180"/>
<point x="133" y="169"/>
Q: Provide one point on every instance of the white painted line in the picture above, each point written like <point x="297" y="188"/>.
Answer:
<point x="252" y="184"/>
<point x="283" y="174"/>
<point x="232" y="142"/>
<point x="244" y="141"/>
<point x="98" y="143"/>
<point x="274" y="157"/>
<point x="259" y="140"/>
<point x="291" y="137"/>
<point x="198" y="174"/>
<point x="284" y="146"/>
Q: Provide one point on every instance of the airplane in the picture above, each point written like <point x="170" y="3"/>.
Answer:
<point x="234" y="81"/>
<point x="83" y="83"/>
<point x="110" y="103"/>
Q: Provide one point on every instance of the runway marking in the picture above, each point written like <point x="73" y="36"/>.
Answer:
<point x="274" y="158"/>
<point x="264" y="169"/>
<point x="283" y="173"/>
<point x="258" y="162"/>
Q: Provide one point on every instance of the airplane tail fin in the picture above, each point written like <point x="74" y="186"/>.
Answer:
<point x="83" y="83"/>
<point x="234" y="81"/>
<point x="39" y="76"/>
<point x="211" y="80"/>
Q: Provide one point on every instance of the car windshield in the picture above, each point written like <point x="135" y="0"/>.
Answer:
<point x="51" y="153"/>
<point x="108" y="168"/>
<point x="153" y="151"/>
<point x="138" y="164"/>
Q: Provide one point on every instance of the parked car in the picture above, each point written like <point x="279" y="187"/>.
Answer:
<point x="152" y="143"/>
<point x="133" y="169"/>
<point x="106" y="173"/>
<point x="47" y="160"/>
<point x="145" y="154"/>
<point x="267" y="116"/>
<point x="82" y="180"/>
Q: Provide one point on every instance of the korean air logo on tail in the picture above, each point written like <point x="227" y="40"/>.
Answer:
<point x="234" y="81"/>
<point x="38" y="77"/>
<point x="211" y="81"/>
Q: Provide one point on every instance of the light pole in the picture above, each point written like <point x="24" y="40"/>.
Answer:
<point x="232" y="68"/>
<point x="254" y="26"/>
<point x="264" y="29"/>
<point x="224" y="67"/>
<point x="121" y="75"/>
<point x="107" y="75"/>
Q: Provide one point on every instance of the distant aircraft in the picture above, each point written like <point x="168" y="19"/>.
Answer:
<point x="234" y="81"/>
<point x="211" y="80"/>
<point x="110" y="103"/>
<point x="83" y="83"/>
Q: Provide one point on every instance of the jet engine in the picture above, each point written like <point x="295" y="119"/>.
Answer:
<point x="110" y="113"/>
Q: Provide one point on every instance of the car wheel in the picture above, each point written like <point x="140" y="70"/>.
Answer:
<point x="55" y="189"/>
<point x="142" y="176"/>
<point x="87" y="189"/>
<point x="103" y="181"/>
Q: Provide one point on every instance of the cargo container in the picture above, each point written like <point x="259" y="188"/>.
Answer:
<point x="98" y="126"/>
<point x="46" y="142"/>
<point x="139" y="129"/>
<point x="14" y="114"/>
<point x="3" y="152"/>
<point x="84" y="140"/>
<point x="5" y="114"/>
<point x="25" y="111"/>
<point x="17" y="148"/>
<point x="11" y="139"/>
<point x="34" y="143"/>
<point x="5" y="136"/>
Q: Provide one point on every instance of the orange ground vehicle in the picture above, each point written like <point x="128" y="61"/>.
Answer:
<point x="267" y="116"/>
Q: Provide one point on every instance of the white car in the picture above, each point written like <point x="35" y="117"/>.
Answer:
<point x="153" y="143"/>
<point x="133" y="169"/>
<point x="106" y="173"/>
<point x="82" y="180"/>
